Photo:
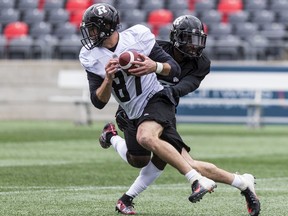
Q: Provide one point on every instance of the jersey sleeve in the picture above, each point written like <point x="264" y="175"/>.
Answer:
<point x="192" y="80"/>
<point x="86" y="59"/>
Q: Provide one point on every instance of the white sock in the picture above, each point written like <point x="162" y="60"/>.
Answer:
<point x="192" y="176"/>
<point x="119" y="145"/>
<point x="238" y="182"/>
<point x="147" y="176"/>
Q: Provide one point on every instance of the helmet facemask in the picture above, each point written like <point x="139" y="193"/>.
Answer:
<point x="188" y="36"/>
<point x="94" y="35"/>
<point x="191" y="44"/>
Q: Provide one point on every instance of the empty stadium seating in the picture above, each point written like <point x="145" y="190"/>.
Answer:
<point x="263" y="20"/>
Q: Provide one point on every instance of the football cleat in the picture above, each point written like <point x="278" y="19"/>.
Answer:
<point x="108" y="131"/>
<point x="126" y="208"/>
<point x="252" y="201"/>
<point x="200" y="188"/>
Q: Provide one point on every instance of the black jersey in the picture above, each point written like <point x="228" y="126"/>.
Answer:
<point x="193" y="71"/>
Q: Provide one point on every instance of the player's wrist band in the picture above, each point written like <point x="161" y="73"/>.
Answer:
<point x="159" y="67"/>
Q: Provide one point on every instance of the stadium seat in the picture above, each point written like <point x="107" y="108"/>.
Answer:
<point x="39" y="30"/>
<point x="135" y="16"/>
<point x="111" y="2"/>
<point x="9" y="15"/>
<point x="69" y="48"/>
<point x="227" y="7"/>
<point x="65" y="30"/>
<point x="127" y="5"/>
<point x="229" y="48"/>
<point x="274" y="31"/>
<point x="212" y="17"/>
<point x="276" y="34"/>
<point x="178" y="13"/>
<point x="45" y="46"/>
<point x="177" y="5"/>
<point x="255" y="5"/>
<point x="75" y="5"/>
<point x="159" y="18"/>
<point x="6" y="4"/>
<point x="220" y="30"/>
<point x="245" y="30"/>
<point x="152" y="5"/>
<point x="33" y="16"/>
<point x="283" y="18"/>
<point x="25" y="5"/>
<point x="279" y="5"/>
<point x="258" y="47"/>
<point x="192" y="3"/>
<point x="238" y="18"/>
<point x="53" y="4"/>
<point x="20" y="48"/>
<point x="202" y="7"/>
<point x="41" y="4"/>
<point x="263" y="17"/>
<point x="3" y="44"/>
<point x="15" y="29"/>
<point x="230" y="6"/>
<point x="57" y="16"/>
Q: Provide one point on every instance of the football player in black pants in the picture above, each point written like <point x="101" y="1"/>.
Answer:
<point x="186" y="45"/>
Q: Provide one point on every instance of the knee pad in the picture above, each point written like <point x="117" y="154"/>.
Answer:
<point x="138" y="161"/>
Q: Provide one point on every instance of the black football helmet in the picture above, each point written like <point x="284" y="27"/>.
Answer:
<point x="187" y="36"/>
<point x="98" y="23"/>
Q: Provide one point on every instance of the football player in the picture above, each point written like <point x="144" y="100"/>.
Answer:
<point x="149" y="107"/>
<point x="186" y="45"/>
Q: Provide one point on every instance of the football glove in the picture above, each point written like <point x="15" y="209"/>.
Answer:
<point x="122" y="120"/>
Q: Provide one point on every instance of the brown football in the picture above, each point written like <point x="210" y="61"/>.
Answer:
<point x="126" y="58"/>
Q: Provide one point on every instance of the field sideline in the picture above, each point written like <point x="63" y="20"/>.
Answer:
<point x="56" y="168"/>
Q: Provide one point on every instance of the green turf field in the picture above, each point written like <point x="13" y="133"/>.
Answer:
<point x="56" y="168"/>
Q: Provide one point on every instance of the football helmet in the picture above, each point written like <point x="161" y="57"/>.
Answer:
<point x="187" y="36"/>
<point x="98" y="23"/>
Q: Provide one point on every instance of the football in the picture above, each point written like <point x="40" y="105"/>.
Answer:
<point x="126" y="58"/>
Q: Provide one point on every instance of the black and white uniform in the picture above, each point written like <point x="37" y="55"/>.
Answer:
<point x="142" y="98"/>
<point x="193" y="71"/>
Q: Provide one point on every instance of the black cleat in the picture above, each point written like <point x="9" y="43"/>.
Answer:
<point x="108" y="131"/>
<point x="252" y="201"/>
<point x="125" y="205"/>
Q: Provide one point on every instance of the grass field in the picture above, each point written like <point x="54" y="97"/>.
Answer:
<point x="56" y="168"/>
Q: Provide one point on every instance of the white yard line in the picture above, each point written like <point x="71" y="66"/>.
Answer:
<point x="37" y="189"/>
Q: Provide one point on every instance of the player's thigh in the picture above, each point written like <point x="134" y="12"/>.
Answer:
<point x="137" y="156"/>
<point x="148" y="130"/>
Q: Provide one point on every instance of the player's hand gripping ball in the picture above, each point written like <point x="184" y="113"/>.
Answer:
<point x="126" y="58"/>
